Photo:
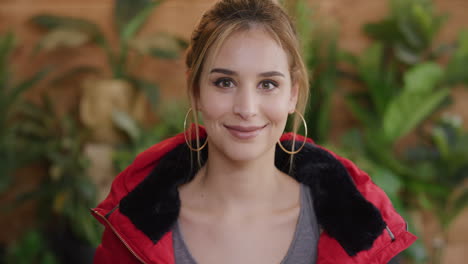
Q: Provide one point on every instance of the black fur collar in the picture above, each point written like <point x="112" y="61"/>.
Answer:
<point x="153" y="206"/>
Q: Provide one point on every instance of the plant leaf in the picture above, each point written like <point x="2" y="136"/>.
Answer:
<point x="423" y="78"/>
<point x="303" y="15"/>
<point x="457" y="206"/>
<point x="51" y="22"/>
<point x="389" y="182"/>
<point x="7" y="44"/>
<point x="457" y="67"/>
<point x="385" y="31"/>
<point x="379" y="81"/>
<point x="20" y="88"/>
<point x="361" y="113"/>
<point x="134" y="25"/>
<point x="62" y="37"/>
<point x="408" y="110"/>
<point x="150" y="89"/>
<point x="416" y="101"/>
<point x="126" y="10"/>
<point x="127" y="124"/>
<point x="405" y="54"/>
<point x="160" y="45"/>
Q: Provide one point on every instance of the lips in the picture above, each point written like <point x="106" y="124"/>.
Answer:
<point x="244" y="132"/>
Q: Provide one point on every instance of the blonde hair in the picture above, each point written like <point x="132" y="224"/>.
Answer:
<point x="229" y="16"/>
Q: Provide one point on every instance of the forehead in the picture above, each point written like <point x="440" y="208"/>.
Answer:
<point x="250" y="50"/>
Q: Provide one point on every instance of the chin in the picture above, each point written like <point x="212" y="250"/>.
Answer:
<point x="242" y="155"/>
<point x="242" y="152"/>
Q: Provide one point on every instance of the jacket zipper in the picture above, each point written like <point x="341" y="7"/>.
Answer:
<point x="118" y="235"/>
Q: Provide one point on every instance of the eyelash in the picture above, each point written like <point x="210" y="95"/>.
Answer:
<point x="275" y="84"/>
<point x="219" y="81"/>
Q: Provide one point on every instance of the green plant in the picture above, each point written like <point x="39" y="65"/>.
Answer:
<point x="141" y="138"/>
<point x="456" y="68"/>
<point x="396" y="108"/>
<point x="390" y="109"/>
<point x="129" y="18"/>
<point x="12" y="153"/>
<point x="321" y="56"/>
<point x="408" y="32"/>
<point x="439" y="180"/>
<point x="323" y="62"/>
<point x="397" y="97"/>
<point x="404" y="86"/>
<point x="32" y="248"/>
<point x="440" y="175"/>
<point x="66" y="194"/>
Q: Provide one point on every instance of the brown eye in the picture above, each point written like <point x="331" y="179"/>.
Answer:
<point x="224" y="83"/>
<point x="268" y="85"/>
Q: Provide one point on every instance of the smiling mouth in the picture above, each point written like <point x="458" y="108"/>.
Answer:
<point x="244" y="132"/>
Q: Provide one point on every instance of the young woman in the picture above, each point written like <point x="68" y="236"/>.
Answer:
<point x="238" y="190"/>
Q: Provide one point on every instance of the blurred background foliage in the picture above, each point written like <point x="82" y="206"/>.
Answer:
<point x="13" y="153"/>
<point x="395" y="89"/>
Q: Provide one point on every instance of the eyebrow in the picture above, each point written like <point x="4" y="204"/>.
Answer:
<point x="263" y="74"/>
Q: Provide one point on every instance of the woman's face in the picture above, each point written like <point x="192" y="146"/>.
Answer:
<point x="245" y="95"/>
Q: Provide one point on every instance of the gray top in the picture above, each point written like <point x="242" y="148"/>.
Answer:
<point x="302" y="250"/>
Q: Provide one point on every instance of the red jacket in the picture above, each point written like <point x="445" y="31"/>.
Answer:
<point x="358" y="220"/>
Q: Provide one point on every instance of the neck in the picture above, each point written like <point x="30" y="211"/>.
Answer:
<point x="233" y="184"/>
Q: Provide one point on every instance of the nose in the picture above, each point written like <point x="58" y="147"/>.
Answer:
<point x="245" y="103"/>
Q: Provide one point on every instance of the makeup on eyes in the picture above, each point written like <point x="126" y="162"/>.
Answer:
<point x="224" y="82"/>
<point x="233" y="73"/>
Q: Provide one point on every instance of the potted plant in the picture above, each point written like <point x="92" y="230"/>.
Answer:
<point x="319" y="43"/>
<point x="404" y="87"/>
<point x="142" y="137"/>
<point x="439" y="184"/>
<point x="33" y="247"/>
<point x="122" y="90"/>
<point x="65" y="195"/>
<point x="13" y="154"/>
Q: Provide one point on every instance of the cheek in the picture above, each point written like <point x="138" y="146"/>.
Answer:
<point x="212" y="106"/>
<point x="276" y="111"/>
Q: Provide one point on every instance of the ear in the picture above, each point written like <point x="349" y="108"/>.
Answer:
<point x="293" y="97"/>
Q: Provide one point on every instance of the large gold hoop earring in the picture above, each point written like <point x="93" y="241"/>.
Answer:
<point x="185" y="134"/>
<point x="305" y="136"/>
